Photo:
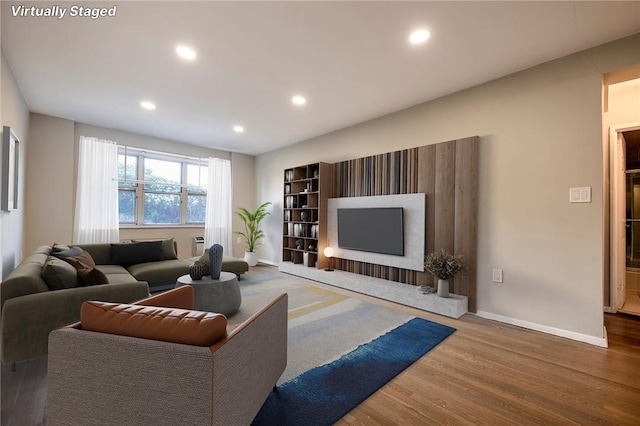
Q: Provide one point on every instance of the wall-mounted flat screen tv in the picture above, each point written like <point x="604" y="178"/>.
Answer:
<point x="376" y="230"/>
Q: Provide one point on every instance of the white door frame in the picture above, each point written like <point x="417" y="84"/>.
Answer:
<point x="618" y="213"/>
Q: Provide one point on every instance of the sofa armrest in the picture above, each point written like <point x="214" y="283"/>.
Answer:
<point x="248" y="363"/>
<point x="28" y="320"/>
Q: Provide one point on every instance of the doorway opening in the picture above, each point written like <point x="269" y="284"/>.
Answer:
<point x="631" y="140"/>
<point x="625" y="218"/>
<point x="621" y="180"/>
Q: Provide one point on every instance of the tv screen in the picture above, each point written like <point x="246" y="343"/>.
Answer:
<point x="376" y="230"/>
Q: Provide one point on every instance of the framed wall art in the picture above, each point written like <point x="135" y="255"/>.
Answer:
<point x="10" y="169"/>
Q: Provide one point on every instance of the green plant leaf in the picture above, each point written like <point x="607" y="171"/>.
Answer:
<point x="251" y="222"/>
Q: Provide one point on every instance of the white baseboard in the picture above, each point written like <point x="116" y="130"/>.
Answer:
<point x="585" y="338"/>
<point x="268" y="262"/>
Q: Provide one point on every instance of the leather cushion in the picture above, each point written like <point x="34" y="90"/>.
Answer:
<point x="166" y="271"/>
<point x="156" y="323"/>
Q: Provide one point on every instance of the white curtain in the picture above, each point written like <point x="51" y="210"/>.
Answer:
<point x="217" y="227"/>
<point x="96" y="216"/>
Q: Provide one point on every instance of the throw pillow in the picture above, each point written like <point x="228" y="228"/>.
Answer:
<point x="126" y="254"/>
<point x="55" y="248"/>
<point x="86" y="268"/>
<point x="59" y="274"/>
<point x="74" y="251"/>
<point x="168" y="247"/>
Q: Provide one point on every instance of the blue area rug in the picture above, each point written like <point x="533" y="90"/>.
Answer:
<point x="324" y="394"/>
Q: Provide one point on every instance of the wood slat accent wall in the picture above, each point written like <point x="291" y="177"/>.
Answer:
<point x="447" y="173"/>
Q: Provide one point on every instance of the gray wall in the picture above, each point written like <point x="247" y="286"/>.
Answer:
<point x="13" y="113"/>
<point x="541" y="134"/>
<point x="50" y="182"/>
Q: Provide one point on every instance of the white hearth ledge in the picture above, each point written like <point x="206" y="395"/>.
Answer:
<point x="453" y="306"/>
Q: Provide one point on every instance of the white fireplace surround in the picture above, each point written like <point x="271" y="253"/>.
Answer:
<point x="413" y="206"/>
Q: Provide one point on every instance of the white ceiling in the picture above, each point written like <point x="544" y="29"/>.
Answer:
<point x="350" y="59"/>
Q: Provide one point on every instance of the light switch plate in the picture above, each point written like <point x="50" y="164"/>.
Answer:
<point x="580" y="194"/>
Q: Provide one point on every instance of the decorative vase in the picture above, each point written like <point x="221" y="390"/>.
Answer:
<point x="215" y="261"/>
<point x="196" y="271"/>
<point x="443" y="288"/>
<point x="251" y="257"/>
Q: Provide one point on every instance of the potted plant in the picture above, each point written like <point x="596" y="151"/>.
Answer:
<point x="444" y="266"/>
<point x="252" y="232"/>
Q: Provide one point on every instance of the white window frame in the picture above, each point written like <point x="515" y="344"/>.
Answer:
<point x="140" y="191"/>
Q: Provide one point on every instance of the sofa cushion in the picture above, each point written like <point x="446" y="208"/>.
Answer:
<point x="116" y="274"/>
<point x="59" y="274"/>
<point x="160" y="272"/>
<point x="126" y="254"/>
<point x="86" y="267"/>
<point x="235" y="265"/>
<point x="151" y="322"/>
<point x="229" y="264"/>
<point x="168" y="247"/>
<point x="100" y="252"/>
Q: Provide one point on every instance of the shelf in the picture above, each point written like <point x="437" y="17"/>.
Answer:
<point x="305" y="194"/>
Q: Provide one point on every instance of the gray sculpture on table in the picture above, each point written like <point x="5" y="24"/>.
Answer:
<point x="215" y="261"/>
<point x="210" y="263"/>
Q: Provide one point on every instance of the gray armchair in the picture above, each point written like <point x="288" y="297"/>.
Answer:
<point x="99" y="378"/>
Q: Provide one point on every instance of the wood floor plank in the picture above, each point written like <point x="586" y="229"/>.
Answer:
<point x="486" y="373"/>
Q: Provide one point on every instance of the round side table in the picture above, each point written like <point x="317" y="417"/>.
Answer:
<point x="220" y="296"/>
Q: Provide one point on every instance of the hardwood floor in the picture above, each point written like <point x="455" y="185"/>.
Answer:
<point x="485" y="373"/>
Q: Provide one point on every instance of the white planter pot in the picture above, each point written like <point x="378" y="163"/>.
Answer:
<point x="443" y="288"/>
<point x="251" y="257"/>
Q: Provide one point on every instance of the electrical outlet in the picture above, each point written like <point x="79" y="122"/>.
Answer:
<point x="497" y="275"/>
<point x="239" y="240"/>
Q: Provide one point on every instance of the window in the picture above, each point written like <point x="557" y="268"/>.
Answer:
<point x="160" y="189"/>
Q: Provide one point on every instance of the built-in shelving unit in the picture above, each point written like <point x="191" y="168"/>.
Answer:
<point x="304" y="229"/>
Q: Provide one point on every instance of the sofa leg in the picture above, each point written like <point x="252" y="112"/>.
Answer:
<point x="13" y="366"/>
<point x="275" y="388"/>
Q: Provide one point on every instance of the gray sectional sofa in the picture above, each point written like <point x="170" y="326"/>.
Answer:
<point x="45" y="292"/>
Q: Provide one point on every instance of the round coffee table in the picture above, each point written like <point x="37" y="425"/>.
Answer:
<point x="220" y="296"/>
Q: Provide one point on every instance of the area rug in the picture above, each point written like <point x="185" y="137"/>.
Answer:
<point x="340" y="350"/>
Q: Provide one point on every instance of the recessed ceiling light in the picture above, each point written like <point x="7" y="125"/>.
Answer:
<point x="298" y="100"/>
<point x="419" y="36"/>
<point x="238" y="129"/>
<point x="148" y="105"/>
<point x="186" y="53"/>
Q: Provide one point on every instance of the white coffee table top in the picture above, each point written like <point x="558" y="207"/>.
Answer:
<point x="224" y="277"/>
